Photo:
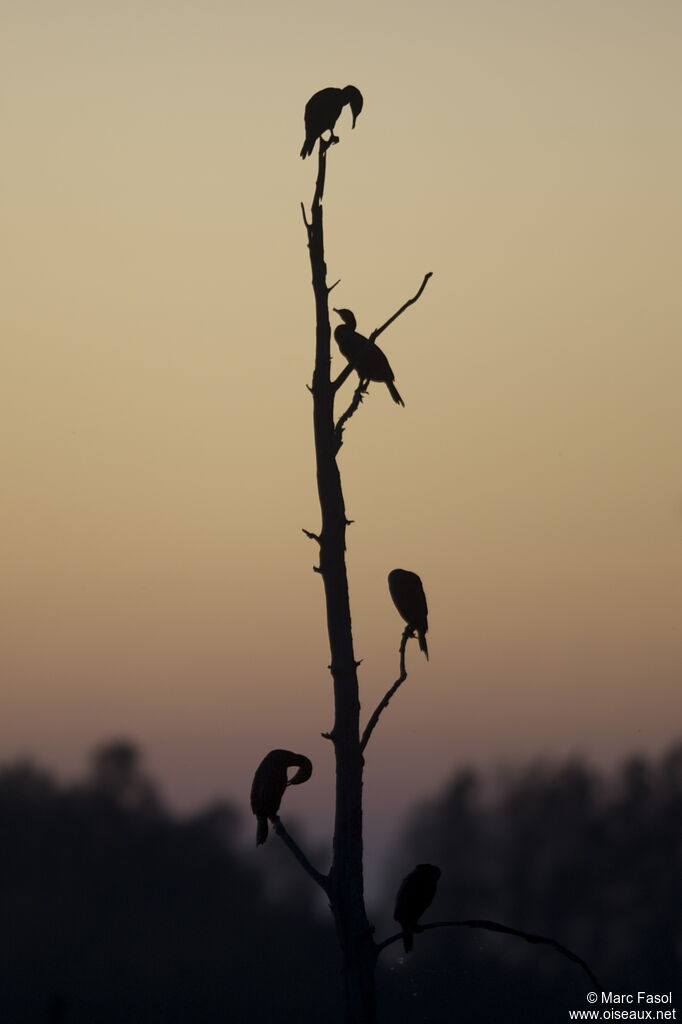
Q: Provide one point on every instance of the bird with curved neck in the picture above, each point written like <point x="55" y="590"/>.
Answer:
<point x="408" y="595"/>
<point x="322" y="111"/>
<point x="269" y="784"/>
<point x="366" y="358"/>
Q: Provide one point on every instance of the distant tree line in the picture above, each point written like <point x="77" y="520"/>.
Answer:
<point x="115" y="910"/>
<point x="594" y="861"/>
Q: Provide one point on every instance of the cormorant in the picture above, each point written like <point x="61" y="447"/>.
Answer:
<point x="269" y="784"/>
<point x="409" y="598"/>
<point x="322" y="112"/>
<point x="364" y="356"/>
<point x="415" y="894"/>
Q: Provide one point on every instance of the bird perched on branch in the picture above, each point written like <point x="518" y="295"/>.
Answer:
<point x="415" y="895"/>
<point x="269" y="784"/>
<point x="409" y="598"/>
<point x="364" y="356"/>
<point x="322" y="112"/>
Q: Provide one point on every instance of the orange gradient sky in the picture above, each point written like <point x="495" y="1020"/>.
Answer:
<point x="157" y="325"/>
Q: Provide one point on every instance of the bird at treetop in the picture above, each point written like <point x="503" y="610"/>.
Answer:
<point x="415" y="895"/>
<point x="322" y="112"/>
<point x="364" y="356"/>
<point x="269" y="784"/>
<point x="409" y="598"/>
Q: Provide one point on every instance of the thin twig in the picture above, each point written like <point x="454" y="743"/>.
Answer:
<point x="343" y="419"/>
<point x="317" y="876"/>
<point x="311" y="536"/>
<point x="333" y="286"/>
<point x="369" y="728"/>
<point x="375" y="334"/>
<point x="493" y="926"/>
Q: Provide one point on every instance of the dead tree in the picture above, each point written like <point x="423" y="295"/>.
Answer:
<point x="343" y="884"/>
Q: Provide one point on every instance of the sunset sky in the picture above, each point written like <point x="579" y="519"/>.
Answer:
<point x="157" y="326"/>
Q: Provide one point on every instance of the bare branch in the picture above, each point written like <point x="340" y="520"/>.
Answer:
<point x="312" y="536"/>
<point x="357" y="398"/>
<point x="333" y="286"/>
<point x="375" y="334"/>
<point x="347" y="370"/>
<point x="493" y="926"/>
<point x="342" y="377"/>
<point x="317" y="876"/>
<point x="362" y="386"/>
<point x="369" y="728"/>
<point x="305" y="219"/>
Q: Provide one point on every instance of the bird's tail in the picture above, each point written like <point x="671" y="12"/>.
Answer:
<point x="423" y="646"/>
<point x="395" y="394"/>
<point x="408" y="940"/>
<point x="307" y="148"/>
<point x="262" y="830"/>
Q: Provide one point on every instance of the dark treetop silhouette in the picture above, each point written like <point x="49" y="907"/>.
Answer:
<point x="409" y="598"/>
<point x="322" y="112"/>
<point x="363" y="355"/>
<point x="269" y="784"/>
<point x="415" y="895"/>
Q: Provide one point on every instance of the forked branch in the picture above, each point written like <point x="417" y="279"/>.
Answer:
<point x="493" y="926"/>
<point x="347" y="370"/>
<point x="317" y="876"/>
<point x="369" y="728"/>
<point x="342" y="377"/>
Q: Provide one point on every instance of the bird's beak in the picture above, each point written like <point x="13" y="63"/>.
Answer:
<point x="355" y="117"/>
<point x="335" y="310"/>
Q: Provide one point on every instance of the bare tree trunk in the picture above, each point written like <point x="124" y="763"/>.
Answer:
<point x="344" y="884"/>
<point x="346" y="891"/>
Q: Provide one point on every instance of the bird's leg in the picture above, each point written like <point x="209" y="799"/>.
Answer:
<point x="333" y="139"/>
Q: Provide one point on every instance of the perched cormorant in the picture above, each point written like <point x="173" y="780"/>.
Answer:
<point x="269" y="784"/>
<point x="364" y="356"/>
<point x="415" y="894"/>
<point x="409" y="598"/>
<point x="322" y="112"/>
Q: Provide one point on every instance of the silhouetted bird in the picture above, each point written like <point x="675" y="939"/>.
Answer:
<point x="322" y="112"/>
<point x="409" y="598"/>
<point x="269" y="784"/>
<point x="415" y="894"/>
<point x="364" y="356"/>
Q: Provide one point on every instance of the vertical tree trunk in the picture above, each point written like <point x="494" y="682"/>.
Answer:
<point x="346" y="891"/>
